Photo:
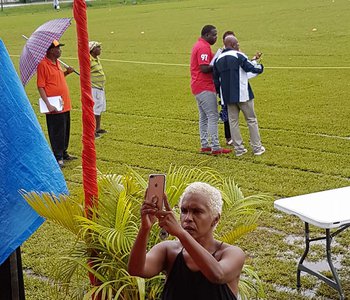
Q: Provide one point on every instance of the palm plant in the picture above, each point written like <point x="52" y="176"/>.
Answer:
<point x="103" y="242"/>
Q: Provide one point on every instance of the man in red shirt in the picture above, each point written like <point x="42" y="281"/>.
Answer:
<point x="203" y="89"/>
<point x="51" y="82"/>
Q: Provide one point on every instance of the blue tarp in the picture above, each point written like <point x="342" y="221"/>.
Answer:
<point x="26" y="161"/>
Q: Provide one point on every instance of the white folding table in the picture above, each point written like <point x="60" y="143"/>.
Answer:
<point x="327" y="210"/>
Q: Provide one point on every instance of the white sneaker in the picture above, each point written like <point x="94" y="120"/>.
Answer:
<point x="241" y="152"/>
<point x="261" y="151"/>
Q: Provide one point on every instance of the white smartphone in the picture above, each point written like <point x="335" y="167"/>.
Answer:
<point x="156" y="187"/>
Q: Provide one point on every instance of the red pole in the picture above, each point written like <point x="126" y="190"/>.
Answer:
<point x="88" y="118"/>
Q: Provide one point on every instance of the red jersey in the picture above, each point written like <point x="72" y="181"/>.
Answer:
<point x="201" y="55"/>
<point x="50" y="77"/>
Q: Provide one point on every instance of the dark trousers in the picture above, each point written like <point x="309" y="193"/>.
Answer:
<point x="58" y="127"/>
<point x="227" y="130"/>
<point x="11" y="278"/>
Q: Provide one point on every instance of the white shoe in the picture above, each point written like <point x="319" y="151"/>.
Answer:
<point x="261" y="151"/>
<point x="230" y="142"/>
<point x="60" y="163"/>
<point x="241" y="152"/>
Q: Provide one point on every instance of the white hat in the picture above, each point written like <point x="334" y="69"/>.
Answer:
<point x="93" y="44"/>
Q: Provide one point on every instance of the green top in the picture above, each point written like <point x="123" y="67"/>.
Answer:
<point x="98" y="77"/>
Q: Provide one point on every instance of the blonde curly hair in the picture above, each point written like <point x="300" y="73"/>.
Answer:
<point x="205" y="189"/>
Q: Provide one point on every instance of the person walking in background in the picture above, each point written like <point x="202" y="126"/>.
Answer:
<point x="98" y="80"/>
<point x="232" y="69"/>
<point x="51" y="82"/>
<point x="203" y="89"/>
<point x="56" y="4"/>
<point x="197" y="266"/>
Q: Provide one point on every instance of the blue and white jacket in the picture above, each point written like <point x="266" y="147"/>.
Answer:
<point x="231" y="72"/>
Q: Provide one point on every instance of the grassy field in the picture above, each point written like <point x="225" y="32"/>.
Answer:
<point x="301" y="103"/>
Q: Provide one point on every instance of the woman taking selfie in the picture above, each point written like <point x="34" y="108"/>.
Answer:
<point x="197" y="266"/>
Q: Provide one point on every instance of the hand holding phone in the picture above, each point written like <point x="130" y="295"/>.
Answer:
<point x="156" y="187"/>
<point x="257" y="56"/>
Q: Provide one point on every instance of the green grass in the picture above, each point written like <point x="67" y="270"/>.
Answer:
<point x="152" y="117"/>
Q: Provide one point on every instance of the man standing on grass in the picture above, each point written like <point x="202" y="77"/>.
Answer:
<point x="231" y="81"/>
<point x="56" y="4"/>
<point x="98" y="80"/>
<point x="51" y="82"/>
<point x="203" y="89"/>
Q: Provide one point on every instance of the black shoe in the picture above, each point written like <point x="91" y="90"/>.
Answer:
<point x="101" y="131"/>
<point x="69" y="157"/>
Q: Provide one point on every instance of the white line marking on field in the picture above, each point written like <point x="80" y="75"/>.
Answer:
<point x="187" y="65"/>
<point x="331" y="136"/>
<point x="144" y="62"/>
<point x="309" y="133"/>
<point x="311" y="68"/>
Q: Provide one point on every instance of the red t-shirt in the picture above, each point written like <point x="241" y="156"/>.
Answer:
<point x="201" y="55"/>
<point x="50" y="77"/>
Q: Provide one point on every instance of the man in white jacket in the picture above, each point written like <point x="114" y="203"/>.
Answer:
<point x="56" y="4"/>
<point x="232" y="69"/>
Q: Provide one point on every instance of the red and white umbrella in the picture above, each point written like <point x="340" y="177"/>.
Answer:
<point x="37" y="44"/>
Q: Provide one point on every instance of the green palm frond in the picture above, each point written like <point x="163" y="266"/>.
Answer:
<point x="132" y="183"/>
<point x="232" y="236"/>
<point x="105" y="291"/>
<point x="231" y="227"/>
<point x="190" y="174"/>
<point x="61" y="210"/>
<point x="250" y="284"/>
<point x="123" y="211"/>
<point x="154" y="287"/>
<point x="137" y="178"/>
<point x="115" y="179"/>
<point x="110" y="191"/>
<point x="230" y="191"/>
<point x="230" y="219"/>
<point x="110" y="239"/>
<point x="66" y="270"/>
<point x="234" y="198"/>
<point x="252" y="203"/>
<point x="82" y="263"/>
<point x="178" y="178"/>
<point x="113" y="225"/>
<point x="141" y="288"/>
<point x="124" y="288"/>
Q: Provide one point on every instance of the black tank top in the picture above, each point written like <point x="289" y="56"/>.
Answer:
<point x="184" y="284"/>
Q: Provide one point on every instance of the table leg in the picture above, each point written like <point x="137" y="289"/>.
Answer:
<point x="307" y="248"/>
<point x="337" y="284"/>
